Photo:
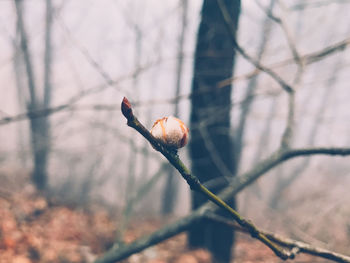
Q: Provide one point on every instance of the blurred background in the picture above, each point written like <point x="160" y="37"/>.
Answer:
<point x="65" y="67"/>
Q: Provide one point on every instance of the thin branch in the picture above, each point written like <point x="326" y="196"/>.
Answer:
<point x="194" y="183"/>
<point x="237" y="185"/>
<point x="287" y="33"/>
<point x="71" y="105"/>
<point x="116" y="254"/>
<point x="307" y="59"/>
<point x="229" y="24"/>
<point x="288" y="132"/>
<point x="296" y="247"/>
<point x="33" y="114"/>
<point x="282" y="182"/>
<point x="134" y="199"/>
<point x="318" y="55"/>
<point x="85" y="52"/>
<point x="316" y="4"/>
<point x="251" y="87"/>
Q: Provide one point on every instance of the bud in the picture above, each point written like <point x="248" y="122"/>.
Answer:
<point x="170" y="131"/>
<point x="126" y="108"/>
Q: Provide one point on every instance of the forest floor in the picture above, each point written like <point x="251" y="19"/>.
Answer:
<point x="31" y="230"/>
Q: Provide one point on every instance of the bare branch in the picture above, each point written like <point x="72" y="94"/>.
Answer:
<point x="72" y="106"/>
<point x="229" y="24"/>
<point x="296" y="247"/>
<point x="84" y="51"/>
<point x="115" y="253"/>
<point x="170" y="230"/>
<point x="316" y="4"/>
<point x="288" y="34"/>
<point x="307" y="59"/>
<point x="316" y="56"/>
<point x="251" y="87"/>
<point x="194" y="183"/>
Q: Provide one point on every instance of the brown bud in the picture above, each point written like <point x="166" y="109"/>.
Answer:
<point x="126" y="108"/>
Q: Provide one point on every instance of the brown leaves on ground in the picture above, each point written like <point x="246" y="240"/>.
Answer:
<point x="32" y="231"/>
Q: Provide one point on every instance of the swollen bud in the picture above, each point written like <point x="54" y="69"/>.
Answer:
<point x="126" y="108"/>
<point x="171" y="131"/>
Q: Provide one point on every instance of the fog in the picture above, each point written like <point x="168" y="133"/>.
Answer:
<point x="105" y="50"/>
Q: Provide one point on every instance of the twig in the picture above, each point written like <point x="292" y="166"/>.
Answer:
<point x="228" y="22"/>
<point x="290" y="40"/>
<point x="116" y="254"/>
<point x="315" y="4"/>
<point x="194" y="183"/>
<point x="296" y="247"/>
<point x="307" y="60"/>
<point x="236" y="186"/>
<point x="33" y="104"/>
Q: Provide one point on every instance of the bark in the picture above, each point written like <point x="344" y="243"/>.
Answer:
<point x="210" y="121"/>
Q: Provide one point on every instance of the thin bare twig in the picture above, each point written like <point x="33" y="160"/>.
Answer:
<point x="290" y="40"/>
<point x="307" y="59"/>
<point x="229" y="24"/>
<point x="195" y="184"/>
<point x="236" y="186"/>
<point x="296" y="247"/>
<point x="316" y="4"/>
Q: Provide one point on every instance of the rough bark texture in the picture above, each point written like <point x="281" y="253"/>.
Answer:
<point x="210" y="121"/>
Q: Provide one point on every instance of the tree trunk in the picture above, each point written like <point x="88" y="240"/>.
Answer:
<point x="40" y="150"/>
<point x="39" y="127"/>
<point x="211" y="147"/>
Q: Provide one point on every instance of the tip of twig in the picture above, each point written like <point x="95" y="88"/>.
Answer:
<point x="126" y="108"/>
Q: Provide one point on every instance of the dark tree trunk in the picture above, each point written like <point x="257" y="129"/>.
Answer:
<point x="211" y="147"/>
<point x="40" y="138"/>
<point x="39" y="127"/>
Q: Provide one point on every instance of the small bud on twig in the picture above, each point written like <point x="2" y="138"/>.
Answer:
<point x="171" y="131"/>
<point x="126" y="109"/>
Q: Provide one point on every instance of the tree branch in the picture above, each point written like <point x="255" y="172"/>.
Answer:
<point x="229" y="25"/>
<point x="240" y="182"/>
<point x="308" y="59"/>
<point x="296" y="247"/>
<point x="194" y="183"/>
<point x="236" y="186"/>
<point x="116" y="254"/>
